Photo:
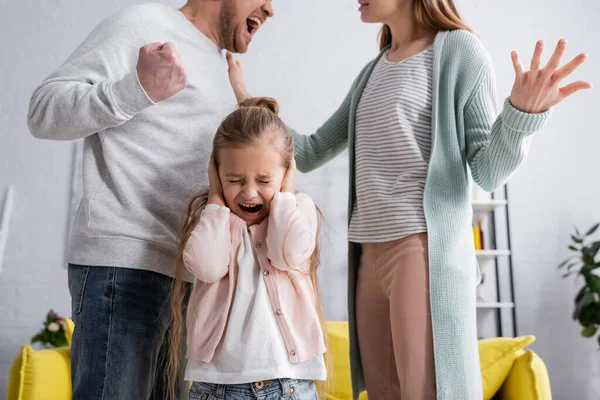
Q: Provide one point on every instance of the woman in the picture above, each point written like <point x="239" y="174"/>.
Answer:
<point x="415" y="119"/>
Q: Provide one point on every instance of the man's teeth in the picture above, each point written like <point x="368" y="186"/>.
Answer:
<point x="257" y="21"/>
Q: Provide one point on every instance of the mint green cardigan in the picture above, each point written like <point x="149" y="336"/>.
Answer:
<point x="467" y="132"/>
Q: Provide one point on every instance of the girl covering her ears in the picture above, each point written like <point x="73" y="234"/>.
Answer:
<point x="254" y="325"/>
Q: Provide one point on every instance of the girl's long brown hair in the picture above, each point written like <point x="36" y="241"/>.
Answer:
<point x="255" y="120"/>
<point x="435" y="15"/>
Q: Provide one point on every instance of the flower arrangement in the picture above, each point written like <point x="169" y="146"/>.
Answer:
<point x="53" y="333"/>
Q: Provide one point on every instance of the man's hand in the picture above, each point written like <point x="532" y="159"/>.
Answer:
<point x="161" y="71"/>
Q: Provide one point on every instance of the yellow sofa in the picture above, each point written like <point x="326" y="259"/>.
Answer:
<point x="508" y="371"/>
<point x="41" y="374"/>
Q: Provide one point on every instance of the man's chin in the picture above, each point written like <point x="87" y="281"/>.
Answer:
<point x="242" y="42"/>
<point x="237" y="49"/>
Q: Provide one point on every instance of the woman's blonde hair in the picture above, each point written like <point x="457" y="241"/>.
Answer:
<point x="435" y="15"/>
<point x="255" y="120"/>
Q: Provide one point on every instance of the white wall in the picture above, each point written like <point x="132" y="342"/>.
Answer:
<point x="307" y="57"/>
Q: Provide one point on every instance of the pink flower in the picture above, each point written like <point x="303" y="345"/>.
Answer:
<point x="53" y="327"/>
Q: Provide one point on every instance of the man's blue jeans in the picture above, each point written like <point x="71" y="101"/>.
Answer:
<point x="122" y="317"/>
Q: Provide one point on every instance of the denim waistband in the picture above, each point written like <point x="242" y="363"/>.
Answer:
<point x="261" y="388"/>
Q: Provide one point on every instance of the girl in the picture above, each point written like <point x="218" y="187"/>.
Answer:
<point x="415" y="120"/>
<point x="254" y="327"/>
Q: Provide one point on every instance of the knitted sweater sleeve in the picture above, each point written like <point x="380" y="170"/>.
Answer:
<point x="496" y="145"/>
<point x="314" y="150"/>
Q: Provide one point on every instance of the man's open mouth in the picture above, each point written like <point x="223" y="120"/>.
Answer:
<point x="253" y="24"/>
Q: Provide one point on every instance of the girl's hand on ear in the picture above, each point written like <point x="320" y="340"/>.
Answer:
<point x="215" y="191"/>
<point x="287" y="185"/>
<point x="539" y="89"/>
<point x="236" y="77"/>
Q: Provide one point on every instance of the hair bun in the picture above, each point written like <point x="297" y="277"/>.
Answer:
<point x="261" y="102"/>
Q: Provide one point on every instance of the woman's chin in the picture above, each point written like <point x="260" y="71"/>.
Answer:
<point x="367" y="19"/>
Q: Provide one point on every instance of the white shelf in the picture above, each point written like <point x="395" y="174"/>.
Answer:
<point x="487" y="205"/>
<point x="492" y="305"/>
<point x="488" y="254"/>
<point x="5" y="220"/>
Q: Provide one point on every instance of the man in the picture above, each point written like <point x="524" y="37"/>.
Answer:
<point x="146" y="90"/>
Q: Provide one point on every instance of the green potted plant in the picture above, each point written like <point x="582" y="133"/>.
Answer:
<point x="53" y="334"/>
<point x="583" y="263"/>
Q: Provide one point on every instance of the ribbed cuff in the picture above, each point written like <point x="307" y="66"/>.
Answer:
<point x="522" y="122"/>
<point x="216" y="209"/>
<point x="285" y="195"/>
<point x="128" y="95"/>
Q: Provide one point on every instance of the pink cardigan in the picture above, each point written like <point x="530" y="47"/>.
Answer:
<point x="283" y="243"/>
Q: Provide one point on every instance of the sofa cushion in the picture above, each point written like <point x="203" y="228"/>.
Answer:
<point x="527" y="379"/>
<point x="40" y="375"/>
<point x="340" y="383"/>
<point x="497" y="356"/>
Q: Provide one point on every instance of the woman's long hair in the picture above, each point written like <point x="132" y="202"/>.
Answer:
<point x="435" y="15"/>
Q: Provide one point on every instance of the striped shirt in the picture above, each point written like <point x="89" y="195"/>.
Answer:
<point x="393" y="146"/>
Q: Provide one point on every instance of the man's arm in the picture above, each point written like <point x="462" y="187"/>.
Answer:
<point x="105" y="82"/>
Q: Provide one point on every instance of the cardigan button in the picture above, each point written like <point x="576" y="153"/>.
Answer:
<point x="266" y="272"/>
<point x="258" y="245"/>
<point x="278" y="312"/>
<point x="293" y="353"/>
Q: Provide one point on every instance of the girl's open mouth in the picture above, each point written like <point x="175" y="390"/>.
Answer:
<point x="251" y="208"/>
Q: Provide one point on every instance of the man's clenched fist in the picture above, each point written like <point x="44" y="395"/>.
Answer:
<point x="161" y="71"/>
